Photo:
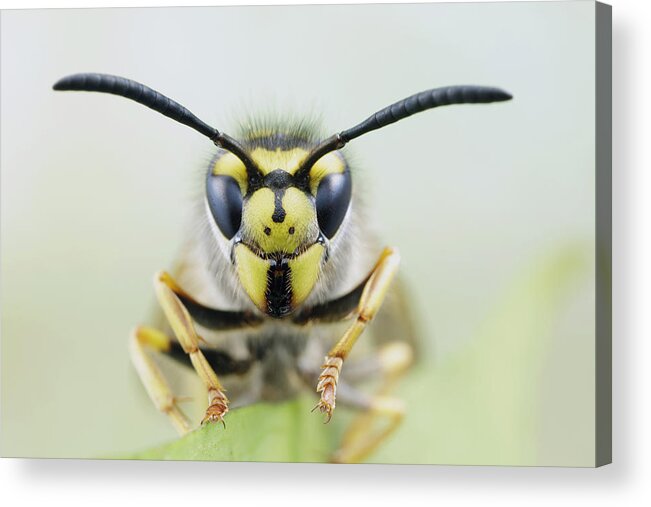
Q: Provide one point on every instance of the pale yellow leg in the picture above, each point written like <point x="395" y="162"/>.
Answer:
<point x="181" y="323"/>
<point x="142" y="340"/>
<point x="362" y="437"/>
<point x="370" y="301"/>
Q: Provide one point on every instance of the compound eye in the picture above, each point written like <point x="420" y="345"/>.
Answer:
<point x="225" y="203"/>
<point x="332" y="200"/>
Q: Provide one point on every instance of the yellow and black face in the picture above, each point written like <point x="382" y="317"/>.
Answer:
<point x="279" y="217"/>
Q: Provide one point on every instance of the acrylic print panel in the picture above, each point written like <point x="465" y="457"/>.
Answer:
<point x="484" y="345"/>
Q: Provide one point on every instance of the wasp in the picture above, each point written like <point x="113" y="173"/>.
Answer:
<point x="282" y="275"/>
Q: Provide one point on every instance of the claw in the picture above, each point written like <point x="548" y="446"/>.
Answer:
<point x="325" y="408"/>
<point x="218" y="408"/>
<point x="328" y="410"/>
<point x="212" y="418"/>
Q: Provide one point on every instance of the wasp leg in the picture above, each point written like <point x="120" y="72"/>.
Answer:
<point x="181" y="323"/>
<point x="180" y="309"/>
<point x="371" y="299"/>
<point x="361" y="437"/>
<point x="144" y="339"/>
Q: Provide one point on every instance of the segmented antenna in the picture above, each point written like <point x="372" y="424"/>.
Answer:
<point x="138" y="92"/>
<point x="417" y="103"/>
<point x="106" y="83"/>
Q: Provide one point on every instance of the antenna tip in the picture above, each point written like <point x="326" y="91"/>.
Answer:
<point x="79" y="82"/>
<point x="502" y="95"/>
<point x="61" y="84"/>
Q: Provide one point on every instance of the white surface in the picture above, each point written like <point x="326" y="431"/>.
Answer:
<point x="66" y="482"/>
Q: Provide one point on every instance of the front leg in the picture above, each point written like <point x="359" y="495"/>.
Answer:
<point x="175" y="304"/>
<point x="371" y="299"/>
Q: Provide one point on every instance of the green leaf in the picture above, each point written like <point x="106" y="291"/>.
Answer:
<point x="284" y="432"/>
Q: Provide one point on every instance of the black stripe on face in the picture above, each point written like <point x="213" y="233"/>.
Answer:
<point x="279" y="288"/>
<point x="279" y="213"/>
<point x="278" y="181"/>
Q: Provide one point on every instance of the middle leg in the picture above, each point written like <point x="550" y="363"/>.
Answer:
<point x="381" y="414"/>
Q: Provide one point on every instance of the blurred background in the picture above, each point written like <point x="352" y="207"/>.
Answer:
<point x="492" y="208"/>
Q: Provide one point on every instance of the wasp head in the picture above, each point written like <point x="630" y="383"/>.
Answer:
<point x="279" y="217"/>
